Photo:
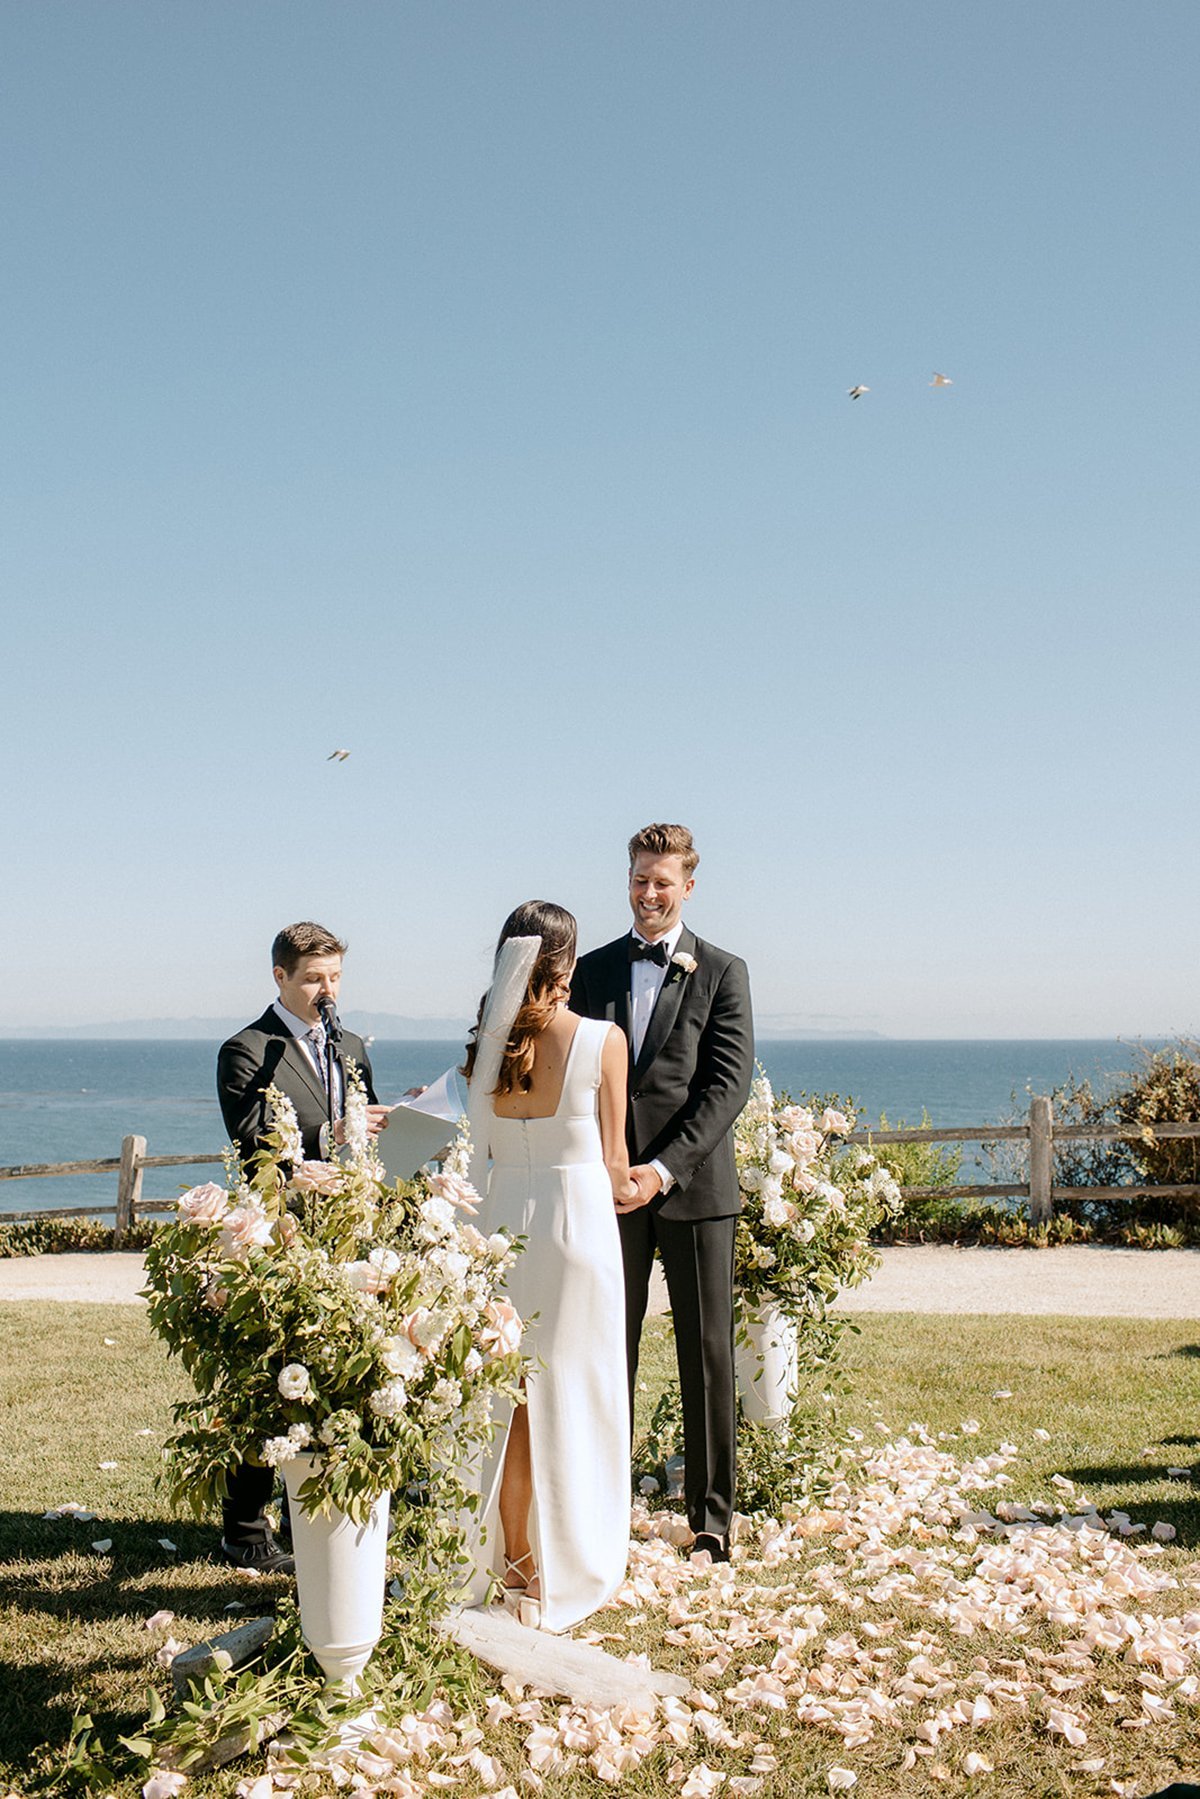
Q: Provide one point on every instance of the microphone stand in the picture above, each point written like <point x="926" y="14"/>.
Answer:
<point x="333" y="1036"/>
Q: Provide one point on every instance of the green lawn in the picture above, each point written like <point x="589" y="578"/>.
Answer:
<point x="79" y="1385"/>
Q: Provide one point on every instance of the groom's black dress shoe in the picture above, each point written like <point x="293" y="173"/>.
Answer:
<point x="717" y="1547"/>
<point x="264" y="1557"/>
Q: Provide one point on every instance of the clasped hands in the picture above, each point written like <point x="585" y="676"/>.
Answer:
<point x="646" y="1183"/>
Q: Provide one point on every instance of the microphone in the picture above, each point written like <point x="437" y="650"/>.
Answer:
<point x="330" y="1019"/>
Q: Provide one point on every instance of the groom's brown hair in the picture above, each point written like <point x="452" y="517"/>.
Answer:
<point x="665" y="840"/>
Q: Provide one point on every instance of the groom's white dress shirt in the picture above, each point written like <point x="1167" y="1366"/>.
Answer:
<point x="645" y="984"/>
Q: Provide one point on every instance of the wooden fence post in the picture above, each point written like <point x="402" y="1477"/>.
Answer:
<point x="1041" y="1158"/>
<point x="129" y="1186"/>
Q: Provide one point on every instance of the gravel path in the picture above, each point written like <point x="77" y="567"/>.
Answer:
<point x="1076" y="1280"/>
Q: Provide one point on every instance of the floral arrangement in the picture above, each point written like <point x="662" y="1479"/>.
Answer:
<point x="809" y="1201"/>
<point x="319" y="1309"/>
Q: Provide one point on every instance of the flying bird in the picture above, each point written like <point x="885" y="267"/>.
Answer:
<point x="941" y="381"/>
<point x="338" y="756"/>
<point x="856" y="393"/>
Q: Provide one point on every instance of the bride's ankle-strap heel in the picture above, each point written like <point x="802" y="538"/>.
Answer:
<point x="520" y="1573"/>
<point x="515" y="1579"/>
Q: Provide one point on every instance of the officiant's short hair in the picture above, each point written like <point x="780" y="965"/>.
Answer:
<point x="296" y="941"/>
<point x="665" y="840"/>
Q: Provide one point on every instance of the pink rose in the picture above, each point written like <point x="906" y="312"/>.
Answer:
<point x="456" y="1189"/>
<point x="245" y="1228"/>
<point x="834" y="1124"/>
<point x="501" y="1334"/>
<point x="216" y="1294"/>
<point x="203" y="1205"/>
<point x="317" y="1177"/>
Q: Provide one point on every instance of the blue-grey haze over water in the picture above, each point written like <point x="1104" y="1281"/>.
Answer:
<point x="65" y="1101"/>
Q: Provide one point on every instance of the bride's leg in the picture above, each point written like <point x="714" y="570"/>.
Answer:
<point x="516" y="1497"/>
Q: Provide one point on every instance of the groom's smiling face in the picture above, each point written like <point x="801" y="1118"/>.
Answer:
<point x="657" y="890"/>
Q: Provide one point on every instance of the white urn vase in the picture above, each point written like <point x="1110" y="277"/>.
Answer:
<point x="766" y="1367"/>
<point x="341" y="1569"/>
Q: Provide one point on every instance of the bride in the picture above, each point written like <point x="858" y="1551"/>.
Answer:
<point x="547" y="1102"/>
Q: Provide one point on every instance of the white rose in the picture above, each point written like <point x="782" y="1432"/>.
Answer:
<point x="426" y="1329"/>
<point x="445" y="1396"/>
<point x="437" y="1215"/>
<point x="278" y="1450"/>
<point x="294" y="1381"/>
<point x="400" y="1356"/>
<point x="300" y="1434"/>
<point x="389" y="1401"/>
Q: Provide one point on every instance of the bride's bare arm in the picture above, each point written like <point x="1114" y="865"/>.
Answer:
<point x="614" y="1080"/>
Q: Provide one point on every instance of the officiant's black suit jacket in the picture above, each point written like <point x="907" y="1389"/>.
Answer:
<point x="693" y="1075"/>
<point x="265" y="1054"/>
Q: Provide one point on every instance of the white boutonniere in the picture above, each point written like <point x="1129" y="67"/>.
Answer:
<point x="683" y="964"/>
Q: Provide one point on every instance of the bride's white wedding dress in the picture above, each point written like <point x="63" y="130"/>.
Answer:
<point x="548" y="1184"/>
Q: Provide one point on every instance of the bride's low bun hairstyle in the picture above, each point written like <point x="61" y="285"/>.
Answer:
<point x="549" y="984"/>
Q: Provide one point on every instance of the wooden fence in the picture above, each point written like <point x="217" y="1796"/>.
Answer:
<point x="1040" y="1133"/>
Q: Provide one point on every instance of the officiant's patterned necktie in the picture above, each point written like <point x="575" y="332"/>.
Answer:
<point x="315" y="1039"/>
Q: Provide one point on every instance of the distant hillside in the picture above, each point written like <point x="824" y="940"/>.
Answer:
<point x="386" y="1026"/>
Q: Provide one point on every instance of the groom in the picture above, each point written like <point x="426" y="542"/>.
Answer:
<point x="684" y="1005"/>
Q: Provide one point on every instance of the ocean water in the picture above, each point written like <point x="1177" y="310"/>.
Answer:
<point x="70" y="1101"/>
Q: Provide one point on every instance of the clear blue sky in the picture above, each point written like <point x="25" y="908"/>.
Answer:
<point x="466" y="386"/>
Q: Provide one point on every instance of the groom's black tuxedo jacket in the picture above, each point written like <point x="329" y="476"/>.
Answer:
<point x="265" y="1054"/>
<point x="693" y="1075"/>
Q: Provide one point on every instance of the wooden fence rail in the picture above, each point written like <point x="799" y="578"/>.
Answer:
<point x="1040" y="1132"/>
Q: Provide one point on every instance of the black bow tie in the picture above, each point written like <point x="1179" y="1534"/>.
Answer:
<point x="647" y="952"/>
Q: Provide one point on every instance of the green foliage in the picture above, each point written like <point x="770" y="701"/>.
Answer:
<point x="920" y="1217"/>
<point x="66" y="1236"/>
<point x="1162" y="1088"/>
<point x="320" y="1310"/>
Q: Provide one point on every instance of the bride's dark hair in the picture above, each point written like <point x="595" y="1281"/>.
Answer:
<point x="548" y="986"/>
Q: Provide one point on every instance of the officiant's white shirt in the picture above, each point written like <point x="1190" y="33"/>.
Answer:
<point x="645" y="984"/>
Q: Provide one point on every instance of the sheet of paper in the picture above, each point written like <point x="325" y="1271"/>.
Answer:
<point x="420" y="1129"/>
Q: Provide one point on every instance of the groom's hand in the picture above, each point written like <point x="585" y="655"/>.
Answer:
<point x="646" y="1183"/>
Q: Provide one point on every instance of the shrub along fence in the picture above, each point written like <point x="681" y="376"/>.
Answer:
<point x="1040" y="1191"/>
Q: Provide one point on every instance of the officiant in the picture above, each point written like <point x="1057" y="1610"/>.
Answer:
<point x="299" y="1047"/>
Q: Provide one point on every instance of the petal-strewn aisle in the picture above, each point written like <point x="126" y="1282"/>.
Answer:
<point x="921" y="1626"/>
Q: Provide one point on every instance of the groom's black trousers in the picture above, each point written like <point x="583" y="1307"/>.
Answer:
<point x="697" y="1260"/>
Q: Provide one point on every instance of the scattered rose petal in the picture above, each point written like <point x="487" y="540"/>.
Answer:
<point x="1043" y="1436"/>
<point x="166" y="1543"/>
<point x="1001" y="1393"/>
<point x="102" y="1545"/>
<point x="107" y="1467"/>
<point x="110" y="1342"/>
<point x="973" y="1762"/>
<point x="1163" y="1532"/>
<point x="156" y="1620"/>
<point x="262" y="1788"/>
<point x="164" y="1784"/>
<point x="169" y="1650"/>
